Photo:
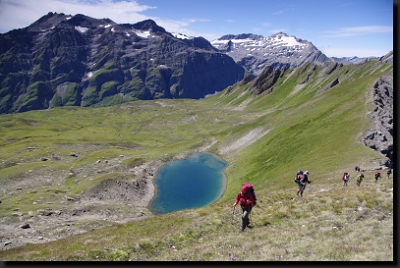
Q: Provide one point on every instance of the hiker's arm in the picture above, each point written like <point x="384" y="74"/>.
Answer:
<point x="236" y="201"/>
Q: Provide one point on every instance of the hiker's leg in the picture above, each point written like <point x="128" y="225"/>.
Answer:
<point x="244" y="224"/>
<point x="245" y="219"/>
<point x="300" y="189"/>
<point x="248" y="216"/>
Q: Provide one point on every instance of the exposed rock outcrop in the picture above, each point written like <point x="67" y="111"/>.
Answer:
<point x="265" y="80"/>
<point x="380" y="136"/>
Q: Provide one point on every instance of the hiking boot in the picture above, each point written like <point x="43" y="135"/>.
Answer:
<point x="249" y="226"/>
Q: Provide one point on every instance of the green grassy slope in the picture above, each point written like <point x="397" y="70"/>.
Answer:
<point x="297" y="126"/>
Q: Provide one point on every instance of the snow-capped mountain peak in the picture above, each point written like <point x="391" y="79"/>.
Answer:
<point x="256" y="52"/>
<point x="181" y="35"/>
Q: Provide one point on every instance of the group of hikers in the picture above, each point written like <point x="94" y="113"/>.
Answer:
<point x="360" y="177"/>
<point x="247" y="198"/>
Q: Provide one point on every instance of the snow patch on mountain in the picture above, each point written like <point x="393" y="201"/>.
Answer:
<point x="144" y="34"/>
<point x="181" y="35"/>
<point x="277" y="40"/>
<point x="81" y="29"/>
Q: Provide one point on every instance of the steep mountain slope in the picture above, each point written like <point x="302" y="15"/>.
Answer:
<point x="316" y="80"/>
<point x="80" y="61"/>
<point x="79" y="182"/>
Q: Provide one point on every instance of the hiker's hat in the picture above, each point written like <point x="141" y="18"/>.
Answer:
<point x="244" y="188"/>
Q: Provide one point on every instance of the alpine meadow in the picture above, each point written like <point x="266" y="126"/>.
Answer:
<point x="76" y="181"/>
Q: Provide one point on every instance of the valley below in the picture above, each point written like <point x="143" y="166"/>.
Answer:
<point x="76" y="181"/>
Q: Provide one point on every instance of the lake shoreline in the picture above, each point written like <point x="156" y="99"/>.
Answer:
<point x="190" y="197"/>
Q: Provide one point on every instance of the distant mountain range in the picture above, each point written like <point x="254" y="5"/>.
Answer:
<point x="63" y="60"/>
<point x="256" y="52"/>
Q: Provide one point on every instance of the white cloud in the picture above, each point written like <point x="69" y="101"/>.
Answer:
<point x="362" y="30"/>
<point x="279" y="12"/>
<point x="21" y="13"/>
<point x="340" y="52"/>
<point x="16" y="14"/>
<point x="284" y="10"/>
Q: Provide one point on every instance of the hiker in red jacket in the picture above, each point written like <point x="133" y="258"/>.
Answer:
<point x="377" y="176"/>
<point x="246" y="200"/>
<point x="345" y="178"/>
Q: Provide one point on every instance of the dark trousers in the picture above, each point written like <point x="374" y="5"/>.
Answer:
<point x="245" y="217"/>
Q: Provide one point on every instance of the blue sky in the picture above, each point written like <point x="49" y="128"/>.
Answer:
<point x="339" y="28"/>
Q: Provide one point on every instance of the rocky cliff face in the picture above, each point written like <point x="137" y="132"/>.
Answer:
<point x="67" y="61"/>
<point x="380" y="135"/>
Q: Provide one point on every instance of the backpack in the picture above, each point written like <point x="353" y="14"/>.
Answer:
<point x="345" y="176"/>
<point x="250" y="190"/>
<point x="299" y="176"/>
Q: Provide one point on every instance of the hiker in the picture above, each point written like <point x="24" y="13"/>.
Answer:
<point x="388" y="172"/>
<point x="298" y="177"/>
<point x="359" y="179"/>
<point x="251" y="189"/>
<point x="345" y="178"/>
<point x="246" y="200"/>
<point x="377" y="176"/>
<point x="302" y="183"/>
<point x="357" y="169"/>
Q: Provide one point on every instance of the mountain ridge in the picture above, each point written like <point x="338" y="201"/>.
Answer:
<point x="280" y="50"/>
<point x="63" y="60"/>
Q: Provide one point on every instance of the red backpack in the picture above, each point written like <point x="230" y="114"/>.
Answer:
<point x="250" y="189"/>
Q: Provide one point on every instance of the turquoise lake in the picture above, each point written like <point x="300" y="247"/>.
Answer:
<point x="193" y="182"/>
